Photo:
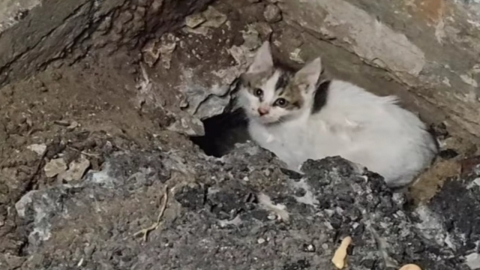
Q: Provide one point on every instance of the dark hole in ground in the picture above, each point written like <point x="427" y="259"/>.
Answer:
<point x="222" y="132"/>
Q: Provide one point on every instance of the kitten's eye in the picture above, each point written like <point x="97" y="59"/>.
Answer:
<point x="281" y="102"/>
<point x="258" y="92"/>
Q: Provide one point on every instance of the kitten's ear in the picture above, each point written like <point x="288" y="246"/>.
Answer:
<point x="263" y="59"/>
<point x="310" y="73"/>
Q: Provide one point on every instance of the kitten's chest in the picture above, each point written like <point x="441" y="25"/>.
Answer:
<point x="283" y="136"/>
<point x="296" y="142"/>
<point x="290" y="143"/>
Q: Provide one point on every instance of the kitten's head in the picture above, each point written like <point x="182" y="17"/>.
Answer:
<point x="270" y="94"/>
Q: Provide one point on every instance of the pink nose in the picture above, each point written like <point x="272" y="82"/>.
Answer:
<point x="262" y="111"/>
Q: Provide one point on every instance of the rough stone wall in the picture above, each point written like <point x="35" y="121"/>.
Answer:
<point x="35" y="33"/>
<point x="430" y="46"/>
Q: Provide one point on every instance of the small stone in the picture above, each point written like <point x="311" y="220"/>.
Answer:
<point x="38" y="148"/>
<point x="188" y="125"/>
<point x="13" y="262"/>
<point x="295" y="56"/>
<point x="151" y="53"/>
<point x="263" y="29"/>
<point x="261" y="240"/>
<point x="64" y="123"/>
<point x="272" y="217"/>
<point x="473" y="260"/>
<point x="308" y="248"/>
<point x="368" y="263"/>
<point x="76" y="169"/>
<point x="184" y="104"/>
<point x="88" y="250"/>
<point x="55" y="167"/>
<point x="203" y="31"/>
<point x="358" y="229"/>
<point x="194" y="20"/>
<point x="477" y="181"/>
<point x="272" y="13"/>
<point x="214" y="18"/>
<point x="354" y="214"/>
<point x="167" y="47"/>
<point x="73" y="125"/>
<point x="34" y="261"/>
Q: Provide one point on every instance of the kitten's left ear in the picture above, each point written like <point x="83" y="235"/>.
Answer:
<point x="310" y="73"/>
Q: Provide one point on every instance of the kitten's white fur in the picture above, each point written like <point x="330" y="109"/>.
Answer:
<point x="364" y="128"/>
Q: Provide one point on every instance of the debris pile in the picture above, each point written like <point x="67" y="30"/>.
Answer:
<point x="240" y="211"/>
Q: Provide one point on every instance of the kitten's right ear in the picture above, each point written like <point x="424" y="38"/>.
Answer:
<point x="263" y="59"/>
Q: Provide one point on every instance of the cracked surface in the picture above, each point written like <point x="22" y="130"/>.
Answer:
<point x="218" y="218"/>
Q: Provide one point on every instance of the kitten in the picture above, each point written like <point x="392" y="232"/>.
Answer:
<point x="297" y="118"/>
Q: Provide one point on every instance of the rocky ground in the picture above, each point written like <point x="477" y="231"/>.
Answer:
<point x="91" y="146"/>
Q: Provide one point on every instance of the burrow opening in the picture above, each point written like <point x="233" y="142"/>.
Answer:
<point x="222" y="132"/>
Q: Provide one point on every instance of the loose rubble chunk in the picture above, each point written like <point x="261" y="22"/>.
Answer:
<point x="55" y="167"/>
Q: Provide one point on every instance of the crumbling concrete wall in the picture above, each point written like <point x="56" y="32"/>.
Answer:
<point x="35" y="33"/>
<point x="430" y="46"/>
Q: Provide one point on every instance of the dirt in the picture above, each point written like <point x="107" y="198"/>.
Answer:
<point x="96" y="106"/>
<point x="100" y="96"/>
<point x="431" y="181"/>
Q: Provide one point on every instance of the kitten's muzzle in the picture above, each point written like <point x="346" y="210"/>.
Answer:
<point x="263" y="110"/>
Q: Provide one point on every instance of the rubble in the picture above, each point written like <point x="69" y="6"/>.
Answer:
<point x="200" y="23"/>
<point x="55" y="167"/>
<point x="272" y="13"/>
<point x="161" y="49"/>
<point x="240" y="211"/>
<point x="76" y="169"/>
<point x="40" y="149"/>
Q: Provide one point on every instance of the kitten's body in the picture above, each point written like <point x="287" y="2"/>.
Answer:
<point x="335" y="118"/>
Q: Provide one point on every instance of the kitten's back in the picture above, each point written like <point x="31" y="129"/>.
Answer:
<point x="397" y="141"/>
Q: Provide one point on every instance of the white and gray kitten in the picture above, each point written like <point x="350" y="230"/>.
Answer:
<point x="296" y="118"/>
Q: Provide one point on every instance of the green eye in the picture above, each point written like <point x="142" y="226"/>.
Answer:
<point x="258" y="92"/>
<point x="281" y="102"/>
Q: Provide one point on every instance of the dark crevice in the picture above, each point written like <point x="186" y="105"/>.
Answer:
<point x="222" y="132"/>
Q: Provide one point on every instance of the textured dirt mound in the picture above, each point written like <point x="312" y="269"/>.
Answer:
<point x="240" y="211"/>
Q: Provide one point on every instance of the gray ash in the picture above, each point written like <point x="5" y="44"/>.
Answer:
<point x="241" y="212"/>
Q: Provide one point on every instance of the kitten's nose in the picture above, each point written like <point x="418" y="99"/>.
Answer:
<point x="262" y="111"/>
